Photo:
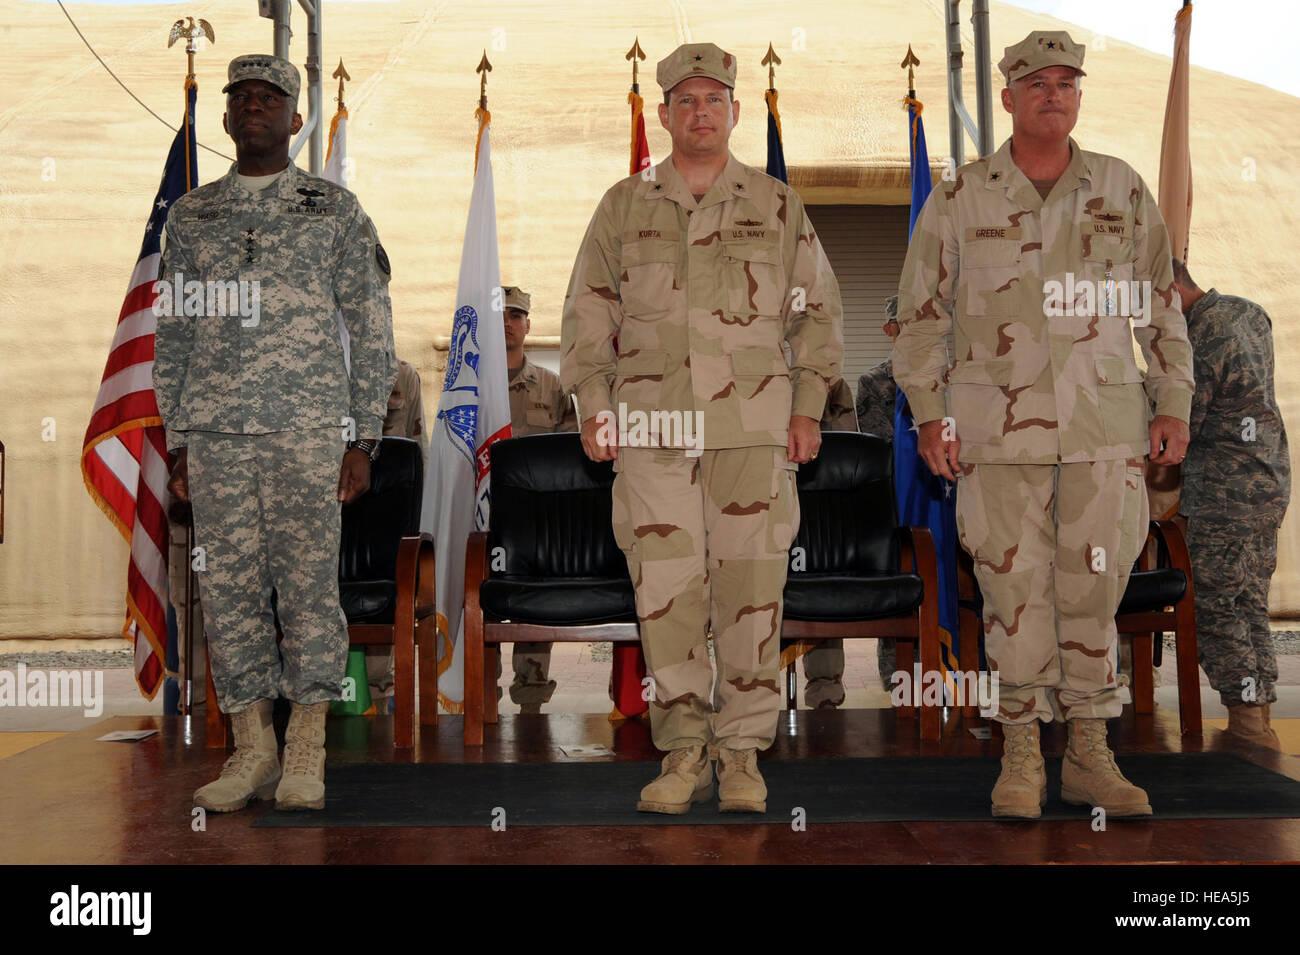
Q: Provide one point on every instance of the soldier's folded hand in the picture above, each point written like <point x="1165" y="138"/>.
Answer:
<point x="1169" y="439"/>
<point x="939" y="455"/>
<point x="354" y="475"/>
<point x="804" y="439"/>
<point x="179" y="482"/>
<point x="600" y="437"/>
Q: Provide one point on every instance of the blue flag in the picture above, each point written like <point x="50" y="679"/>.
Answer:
<point x="923" y="499"/>
<point x="775" y="149"/>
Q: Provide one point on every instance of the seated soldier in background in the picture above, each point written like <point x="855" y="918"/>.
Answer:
<point x="823" y="666"/>
<point x="538" y="405"/>
<point x="404" y="419"/>
<point x="1236" y="486"/>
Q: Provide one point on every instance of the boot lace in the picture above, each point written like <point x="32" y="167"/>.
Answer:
<point x="299" y="759"/>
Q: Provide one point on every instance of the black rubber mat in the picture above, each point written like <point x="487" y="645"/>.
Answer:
<point x="893" y="789"/>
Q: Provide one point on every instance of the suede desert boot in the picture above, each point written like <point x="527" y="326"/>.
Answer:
<point x="1089" y="776"/>
<point x="740" y="785"/>
<point x="1250" y="722"/>
<point x="1021" y="789"/>
<point x="253" y="770"/>
<point x="686" y="776"/>
<point x="303" y="784"/>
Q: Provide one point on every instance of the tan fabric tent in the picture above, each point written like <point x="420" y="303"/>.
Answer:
<point x="79" y="161"/>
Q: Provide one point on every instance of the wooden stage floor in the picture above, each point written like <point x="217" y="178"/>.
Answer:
<point x="74" y="801"/>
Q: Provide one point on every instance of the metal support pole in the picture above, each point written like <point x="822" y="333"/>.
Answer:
<point x="315" y="92"/>
<point x="979" y="19"/>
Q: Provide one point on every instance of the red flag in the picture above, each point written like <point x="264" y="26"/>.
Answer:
<point x="124" y="459"/>
<point x="628" y="660"/>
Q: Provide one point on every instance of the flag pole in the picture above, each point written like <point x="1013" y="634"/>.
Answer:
<point x="191" y="33"/>
<point x="636" y="102"/>
<point x="482" y="114"/>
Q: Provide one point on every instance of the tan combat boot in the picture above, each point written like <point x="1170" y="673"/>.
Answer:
<point x="1250" y="722"/>
<point x="740" y="786"/>
<point x="1089" y="776"/>
<point x="685" y="777"/>
<point x="1021" y="789"/>
<point x="253" y="770"/>
<point x="303" y="785"/>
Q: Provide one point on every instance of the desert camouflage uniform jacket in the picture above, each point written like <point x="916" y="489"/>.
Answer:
<point x="312" y="250"/>
<point x="1027" y="387"/>
<point x="703" y="300"/>
<point x="538" y="405"/>
<point x="1238" y="463"/>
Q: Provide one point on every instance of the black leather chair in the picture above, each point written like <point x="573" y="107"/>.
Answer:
<point x="854" y="571"/>
<point x="547" y="569"/>
<point x="386" y="578"/>
<point x="1159" y="598"/>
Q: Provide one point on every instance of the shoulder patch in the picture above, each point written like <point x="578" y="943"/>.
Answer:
<point x="381" y="259"/>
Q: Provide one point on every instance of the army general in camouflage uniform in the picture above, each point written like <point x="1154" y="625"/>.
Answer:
<point x="1236" y="486"/>
<point x="257" y="403"/>
<point x="703" y="269"/>
<point x="538" y="405"/>
<point x="1022" y="259"/>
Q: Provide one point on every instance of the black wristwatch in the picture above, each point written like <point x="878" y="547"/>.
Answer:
<point x="369" y="445"/>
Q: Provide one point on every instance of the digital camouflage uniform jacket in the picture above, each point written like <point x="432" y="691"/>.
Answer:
<point x="1026" y="387"/>
<point x="312" y="250"/>
<point x="703" y="301"/>
<point x="1238" y="463"/>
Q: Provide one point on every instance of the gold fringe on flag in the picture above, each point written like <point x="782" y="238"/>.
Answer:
<point x="484" y="117"/>
<point x="771" y="96"/>
<point x="334" y="128"/>
<point x="638" y="107"/>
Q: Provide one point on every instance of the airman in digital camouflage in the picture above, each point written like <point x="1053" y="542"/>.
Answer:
<point x="538" y="405"/>
<point x="1044" y="261"/>
<point x="252" y="390"/>
<point x="1236" y="487"/>
<point x="704" y="270"/>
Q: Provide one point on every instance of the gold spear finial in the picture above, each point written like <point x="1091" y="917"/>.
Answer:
<point x="341" y="74"/>
<point x="771" y="61"/>
<point x="483" y="68"/>
<point x="910" y="61"/>
<point x="634" y="54"/>
<point x="191" y="33"/>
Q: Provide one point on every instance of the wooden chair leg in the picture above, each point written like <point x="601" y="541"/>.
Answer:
<point x="904" y="659"/>
<point x="1189" y="676"/>
<point x="931" y="716"/>
<point x="491" y="680"/>
<point x="1144" y="692"/>
<point x="404" y="686"/>
<point x="216" y="723"/>
<point x="427" y="666"/>
<point x="473" y="680"/>
<point x="968" y="627"/>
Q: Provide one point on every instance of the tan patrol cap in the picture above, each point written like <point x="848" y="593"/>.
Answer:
<point x="517" y="298"/>
<point x="263" y="66"/>
<point x="1038" y="51"/>
<point x="696" y="59"/>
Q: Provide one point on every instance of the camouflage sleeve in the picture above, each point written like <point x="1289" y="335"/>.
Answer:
<point x="173" y="339"/>
<point x="361" y="292"/>
<point x="565" y="415"/>
<point x="813" y="319"/>
<point x="1164" y="337"/>
<point x="926" y="298"/>
<point x="592" y="314"/>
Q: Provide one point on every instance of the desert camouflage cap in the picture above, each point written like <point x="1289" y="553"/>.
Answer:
<point x="517" y="298"/>
<point x="263" y="66"/>
<point x="1039" y="50"/>
<point x="696" y="59"/>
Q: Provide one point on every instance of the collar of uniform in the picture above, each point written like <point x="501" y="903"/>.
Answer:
<point x="1202" y="304"/>
<point x="527" y="371"/>
<point x="285" y="186"/>
<point x="1003" y="173"/>
<point x="669" y="184"/>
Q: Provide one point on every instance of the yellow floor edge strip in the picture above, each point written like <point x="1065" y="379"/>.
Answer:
<point x="11" y="744"/>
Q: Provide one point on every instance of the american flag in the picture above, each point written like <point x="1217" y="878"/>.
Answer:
<point x="124" y="459"/>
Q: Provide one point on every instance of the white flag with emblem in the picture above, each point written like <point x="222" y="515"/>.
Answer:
<point x="474" y="411"/>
